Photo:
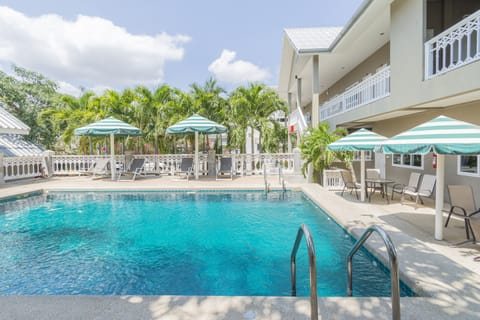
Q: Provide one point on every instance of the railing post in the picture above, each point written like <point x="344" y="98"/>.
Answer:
<point x="297" y="161"/>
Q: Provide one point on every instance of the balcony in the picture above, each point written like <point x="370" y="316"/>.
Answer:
<point x="372" y="88"/>
<point x="453" y="48"/>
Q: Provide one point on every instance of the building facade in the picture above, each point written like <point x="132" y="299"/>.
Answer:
<point x="395" y="64"/>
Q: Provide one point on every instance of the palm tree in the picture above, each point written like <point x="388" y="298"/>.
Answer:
<point x="314" y="148"/>
<point x="208" y="101"/>
<point x="253" y="107"/>
<point x="70" y="113"/>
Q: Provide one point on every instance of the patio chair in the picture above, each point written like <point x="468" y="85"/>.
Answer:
<point x="99" y="168"/>
<point x="374" y="174"/>
<point x="226" y="169"/>
<point x="348" y="183"/>
<point x="425" y="190"/>
<point x="135" y="169"/>
<point x="462" y="204"/>
<point x="186" y="167"/>
<point x="412" y="184"/>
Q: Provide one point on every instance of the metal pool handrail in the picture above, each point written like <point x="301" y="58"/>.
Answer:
<point x="304" y="231"/>
<point x="392" y="254"/>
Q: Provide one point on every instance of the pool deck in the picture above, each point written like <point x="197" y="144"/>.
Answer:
<point x="446" y="276"/>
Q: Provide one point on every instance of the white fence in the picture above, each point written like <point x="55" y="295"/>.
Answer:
<point x="332" y="180"/>
<point x="454" y="47"/>
<point x="370" y="89"/>
<point x="22" y="167"/>
<point x="15" y="168"/>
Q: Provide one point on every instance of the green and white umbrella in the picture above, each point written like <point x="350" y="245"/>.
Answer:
<point x="196" y="124"/>
<point x="361" y="140"/>
<point x="442" y="135"/>
<point x="112" y="127"/>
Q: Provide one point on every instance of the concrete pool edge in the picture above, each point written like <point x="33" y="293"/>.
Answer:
<point x="421" y="268"/>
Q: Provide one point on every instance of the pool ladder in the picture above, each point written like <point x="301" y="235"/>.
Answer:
<point x="392" y="254"/>
<point x="281" y="179"/>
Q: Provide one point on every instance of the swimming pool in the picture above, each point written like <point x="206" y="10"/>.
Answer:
<point x="174" y="243"/>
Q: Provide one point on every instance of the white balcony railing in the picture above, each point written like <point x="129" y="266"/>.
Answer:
<point x="370" y="89"/>
<point x="454" y="47"/>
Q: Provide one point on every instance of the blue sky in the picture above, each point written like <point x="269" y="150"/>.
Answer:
<point x="100" y="44"/>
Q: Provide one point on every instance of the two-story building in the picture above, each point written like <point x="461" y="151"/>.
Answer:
<point x="394" y="65"/>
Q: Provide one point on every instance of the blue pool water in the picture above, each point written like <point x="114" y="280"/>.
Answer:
<point x="174" y="243"/>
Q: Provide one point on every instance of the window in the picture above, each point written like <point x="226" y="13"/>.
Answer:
<point x="468" y="165"/>
<point x="408" y="160"/>
<point x="357" y="156"/>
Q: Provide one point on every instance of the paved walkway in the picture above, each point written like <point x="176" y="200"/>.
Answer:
<point x="445" y="276"/>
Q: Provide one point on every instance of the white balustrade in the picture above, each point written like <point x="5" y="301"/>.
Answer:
<point x="168" y="164"/>
<point x="15" y="168"/>
<point x="372" y="88"/>
<point x="72" y="164"/>
<point x="332" y="180"/>
<point x="454" y="47"/>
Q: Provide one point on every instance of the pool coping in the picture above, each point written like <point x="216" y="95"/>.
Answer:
<point x="442" y="294"/>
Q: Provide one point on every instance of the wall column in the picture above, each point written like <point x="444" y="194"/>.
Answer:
<point x="289" y="138"/>
<point x="315" y="92"/>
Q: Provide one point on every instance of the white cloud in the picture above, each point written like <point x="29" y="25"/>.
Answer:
<point x="90" y="51"/>
<point x="227" y="69"/>
<point x="67" y="88"/>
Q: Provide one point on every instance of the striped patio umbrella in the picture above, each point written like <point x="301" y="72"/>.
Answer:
<point x="361" y="140"/>
<point x="196" y="124"/>
<point x="442" y="135"/>
<point x="112" y="127"/>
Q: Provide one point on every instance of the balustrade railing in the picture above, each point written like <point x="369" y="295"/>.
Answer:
<point x="332" y="180"/>
<point x="370" y="89"/>
<point x="454" y="47"/>
<point x="23" y="167"/>
<point x="168" y="164"/>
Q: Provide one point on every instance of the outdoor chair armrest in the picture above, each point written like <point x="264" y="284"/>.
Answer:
<point x="425" y="192"/>
<point x="410" y="189"/>
<point x="398" y="186"/>
<point x="452" y="211"/>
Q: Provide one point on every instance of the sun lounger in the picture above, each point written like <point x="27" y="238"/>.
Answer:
<point x="226" y="169"/>
<point x="186" y="167"/>
<point x="135" y="169"/>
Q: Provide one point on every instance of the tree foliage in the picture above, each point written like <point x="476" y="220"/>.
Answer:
<point x="314" y="148"/>
<point x="53" y="117"/>
<point x="25" y="94"/>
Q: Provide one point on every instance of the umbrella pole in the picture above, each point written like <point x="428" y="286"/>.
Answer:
<point x="112" y="155"/>
<point x="362" y="175"/>
<point x="439" y="190"/>
<point x="196" y="155"/>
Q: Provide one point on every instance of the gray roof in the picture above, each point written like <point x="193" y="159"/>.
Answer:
<point x="13" y="145"/>
<point x="11" y="125"/>
<point x="306" y="40"/>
